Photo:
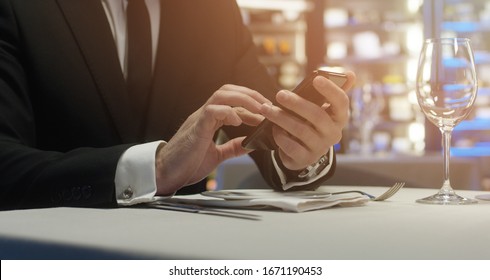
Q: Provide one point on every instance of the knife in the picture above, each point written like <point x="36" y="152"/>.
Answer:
<point x="201" y="210"/>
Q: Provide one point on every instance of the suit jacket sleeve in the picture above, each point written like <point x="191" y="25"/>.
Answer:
<point x="32" y="177"/>
<point x="63" y="111"/>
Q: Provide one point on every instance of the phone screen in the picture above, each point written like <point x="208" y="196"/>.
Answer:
<point x="261" y="138"/>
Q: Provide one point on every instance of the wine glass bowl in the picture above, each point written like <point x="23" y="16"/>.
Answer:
<point x="446" y="91"/>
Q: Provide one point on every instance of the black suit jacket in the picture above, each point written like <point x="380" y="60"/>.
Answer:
<point x="65" y="116"/>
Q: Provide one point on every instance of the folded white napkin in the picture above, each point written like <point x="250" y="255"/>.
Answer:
<point x="262" y="200"/>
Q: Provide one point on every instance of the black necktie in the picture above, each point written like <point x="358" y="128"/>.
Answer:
<point x="139" y="55"/>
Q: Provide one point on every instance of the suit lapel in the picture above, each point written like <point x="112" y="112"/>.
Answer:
<point x="96" y="42"/>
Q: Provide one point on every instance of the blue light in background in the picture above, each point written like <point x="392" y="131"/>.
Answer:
<point x="470" y="152"/>
<point x="461" y="26"/>
<point x="475" y="124"/>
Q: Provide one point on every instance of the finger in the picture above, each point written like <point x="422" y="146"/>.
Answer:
<point x="336" y="97"/>
<point x="252" y="93"/>
<point x="306" y="136"/>
<point x="351" y="80"/>
<point x="297" y="128"/>
<point x="312" y="113"/>
<point x="233" y="95"/>
<point x="293" y="154"/>
<point x="216" y="116"/>
<point x="287" y="142"/>
<point x="247" y="117"/>
<point x="315" y="136"/>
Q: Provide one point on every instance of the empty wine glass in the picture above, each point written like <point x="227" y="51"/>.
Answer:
<point x="446" y="91"/>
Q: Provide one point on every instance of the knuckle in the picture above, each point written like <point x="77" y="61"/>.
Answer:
<point x="207" y="110"/>
<point x="220" y="93"/>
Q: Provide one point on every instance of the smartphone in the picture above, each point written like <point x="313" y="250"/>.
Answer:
<point x="261" y="138"/>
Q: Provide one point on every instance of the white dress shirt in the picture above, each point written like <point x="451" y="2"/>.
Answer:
<point x="116" y="14"/>
<point x="135" y="174"/>
<point x="135" y="179"/>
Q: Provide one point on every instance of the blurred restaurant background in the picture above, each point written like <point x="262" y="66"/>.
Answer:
<point x="388" y="135"/>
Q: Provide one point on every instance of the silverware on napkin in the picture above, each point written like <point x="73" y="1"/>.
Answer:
<point x="190" y="208"/>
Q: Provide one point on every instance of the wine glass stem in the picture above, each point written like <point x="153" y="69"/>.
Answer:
<point x="446" y="145"/>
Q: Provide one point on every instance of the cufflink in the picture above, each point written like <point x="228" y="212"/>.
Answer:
<point x="314" y="169"/>
<point x="127" y="193"/>
<point x="306" y="174"/>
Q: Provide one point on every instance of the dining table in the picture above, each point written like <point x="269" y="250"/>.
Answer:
<point x="398" y="228"/>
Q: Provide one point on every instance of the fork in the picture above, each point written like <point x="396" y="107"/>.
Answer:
<point x="389" y="193"/>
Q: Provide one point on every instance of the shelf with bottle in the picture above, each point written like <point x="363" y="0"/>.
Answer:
<point x="374" y="38"/>
<point x="282" y="52"/>
<point x="476" y="31"/>
<point x="468" y="19"/>
<point x="368" y="47"/>
<point x="394" y="125"/>
<point x="368" y="61"/>
<point x="278" y="28"/>
<point x="380" y="41"/>
<point x="387" y="27"/>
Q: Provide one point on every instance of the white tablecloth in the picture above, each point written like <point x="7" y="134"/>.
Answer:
<point x="398" y="228"/>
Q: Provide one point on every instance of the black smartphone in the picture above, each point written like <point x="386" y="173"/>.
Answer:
<point x="261" y="138"/>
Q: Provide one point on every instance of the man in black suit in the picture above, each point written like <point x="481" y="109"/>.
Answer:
<point x="71" y="134"/>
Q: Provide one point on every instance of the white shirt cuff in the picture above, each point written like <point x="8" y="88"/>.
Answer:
<point x="287" y="185"/>
<point x="135" y="174"/>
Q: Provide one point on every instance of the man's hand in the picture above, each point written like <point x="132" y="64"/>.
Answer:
<point x="301" y="143"/>
<point x="192" y="154"/>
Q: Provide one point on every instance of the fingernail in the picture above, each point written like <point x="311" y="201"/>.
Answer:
<point x="284" y="93"/>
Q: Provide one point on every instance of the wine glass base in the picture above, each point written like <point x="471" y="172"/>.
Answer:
<point x="446" y="198"/>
